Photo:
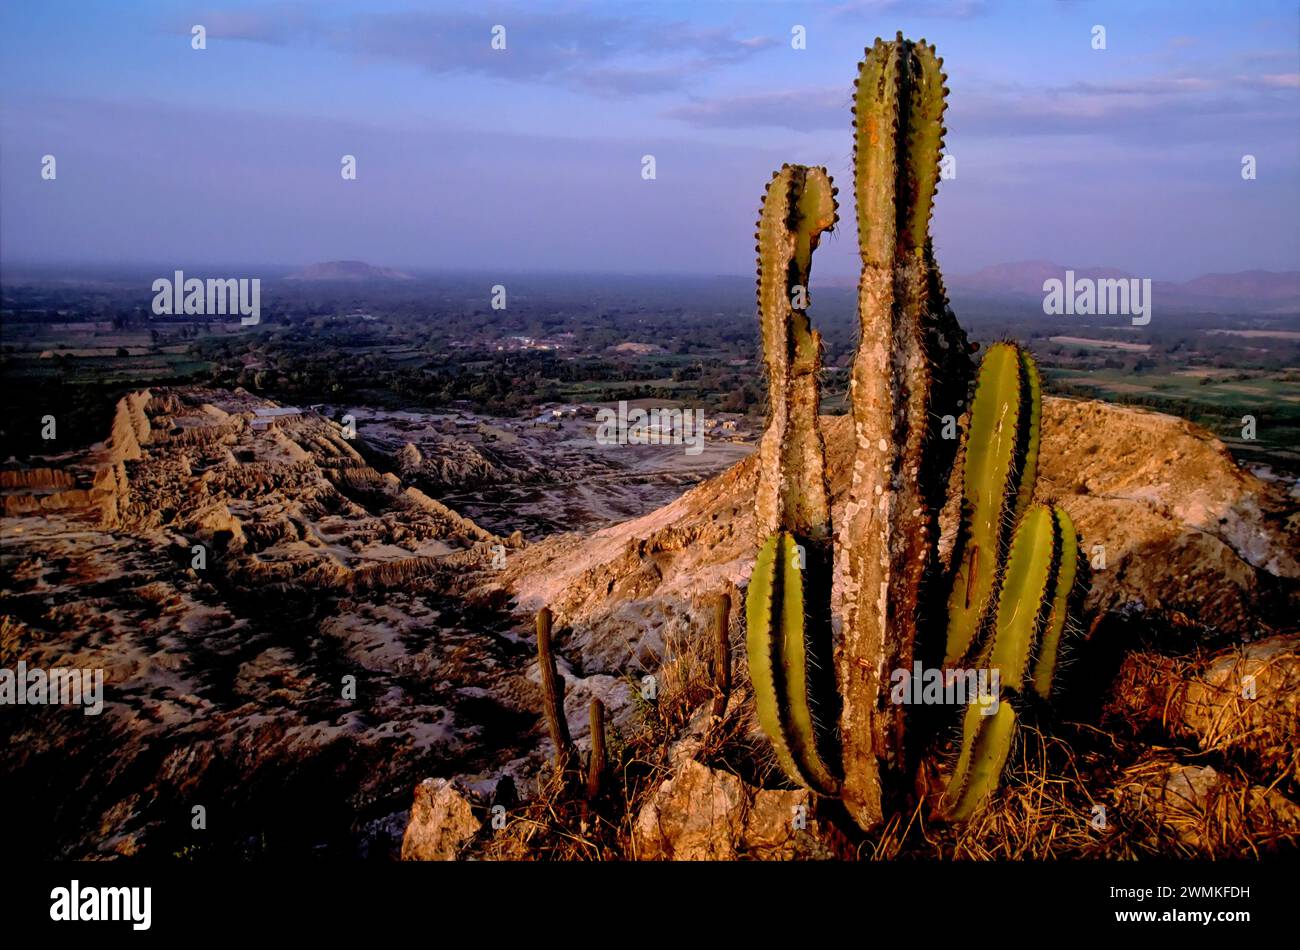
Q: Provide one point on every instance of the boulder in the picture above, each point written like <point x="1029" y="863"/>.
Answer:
<point x="702" y="814"/>
<point x="442" y="821"/>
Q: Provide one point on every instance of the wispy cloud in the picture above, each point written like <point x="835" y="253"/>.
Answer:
<point x="607" y="54"/>
<point x="803" y="110"/>
<point x="1140" y="107"/>
<point x="936" y="9"/>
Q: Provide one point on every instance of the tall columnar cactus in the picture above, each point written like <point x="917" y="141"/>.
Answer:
<point x="788" y="604"/>
<point x="878" y="579"/>
<point x="910" y="370"/>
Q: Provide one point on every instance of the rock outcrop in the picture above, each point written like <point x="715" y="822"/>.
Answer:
<point x="1179" y="529"/>
<point x="702" y="814"/>
<point x="442" y="821"/>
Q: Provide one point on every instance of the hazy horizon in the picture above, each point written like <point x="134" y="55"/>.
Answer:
<point x="528" y="159"/>
<point x="279" y="270"/>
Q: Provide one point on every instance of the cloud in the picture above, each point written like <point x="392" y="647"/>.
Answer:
<point x="1272" y="81"/>
<point x="801" y="110"/>
<point x="603" y="53"/>
<point x="937" y="9"/>
<point x="1134" y="109"/>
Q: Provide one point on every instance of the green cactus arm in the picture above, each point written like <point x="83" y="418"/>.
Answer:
<point x="762" y="646"/>
<point x="922" y="133"/>
<point x="801" y="701"/>
<point x="778" y="663"/>
<point x="875" y="133"/>
<point x="1031" y="415"/>
<point x="1066" y="576"/>
<point x="816" y="211"/>
<point x="990" y="466"/>
<point x="987" y="743"/>
<point x="1026" y="595"/>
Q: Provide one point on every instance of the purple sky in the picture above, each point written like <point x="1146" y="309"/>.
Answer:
<point x="530" y="158"/>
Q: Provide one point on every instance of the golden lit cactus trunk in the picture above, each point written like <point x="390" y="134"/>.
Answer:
<point x="798" y="207"/>
<point x="887" y="539"/>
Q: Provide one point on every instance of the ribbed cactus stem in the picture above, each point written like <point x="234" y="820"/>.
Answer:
<point x="887" y="539"/>
<point x="552" y="692"/>
<point x="987" y="743"/>
<point x="999" y="464"/>
<point x="721" y="654"/>
<point x="1031" y="603"/>
<point x="787" y="607"/>
<point x="1026" y="595"/>
<point x="798" y="206"/>
<point x="596" y="765"/>
<point x="786" y="695"/>
<point x="1067" y="587"/>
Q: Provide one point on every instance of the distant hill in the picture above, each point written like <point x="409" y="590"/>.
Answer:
<point x="347" y="270"/>
<point x="1026" y="277"/>
<point x="1248" y="284"/>
<point x="1263" y="290"/>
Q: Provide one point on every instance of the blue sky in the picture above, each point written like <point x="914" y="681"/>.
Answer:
<point x="529" y="158"/>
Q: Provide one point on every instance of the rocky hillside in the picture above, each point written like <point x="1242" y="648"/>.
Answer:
<point x="294" y="640"/>
<point x="283" y="630"/>
<point x="1185" y="533"/>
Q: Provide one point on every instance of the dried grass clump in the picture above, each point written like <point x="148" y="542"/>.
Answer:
<point x="1197" y="811"/>
<point x="1241" y="704"/>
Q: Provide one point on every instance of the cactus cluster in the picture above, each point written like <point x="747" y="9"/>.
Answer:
<point x="874" y="585"/>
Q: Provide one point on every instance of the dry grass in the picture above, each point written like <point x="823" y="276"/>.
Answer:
<point x="13" y="633"/>
<point x="558" y="824"/>
<point x="1079" y="791"/>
